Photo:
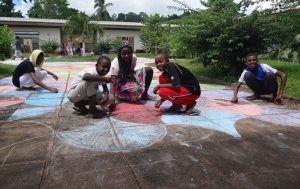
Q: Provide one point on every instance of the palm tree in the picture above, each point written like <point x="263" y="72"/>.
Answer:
<point x="101" y="9"/>
<point x="80" y="25"/>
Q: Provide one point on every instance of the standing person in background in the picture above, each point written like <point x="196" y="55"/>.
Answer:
<point x="18" y="53"/>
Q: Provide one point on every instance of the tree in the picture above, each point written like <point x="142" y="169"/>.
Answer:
<point x="6" y="41"/>
<point x="121" y="17"/>
<point x="53" y="9"/>
<point x="7" y="9"/>
<point x="101" y="9"/>
<point x="80" y="25"/>
<point x="157" y="39"/>
<point x="278" y="5"/>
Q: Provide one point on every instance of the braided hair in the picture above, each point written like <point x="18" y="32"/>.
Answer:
<point x="125" y="72"/>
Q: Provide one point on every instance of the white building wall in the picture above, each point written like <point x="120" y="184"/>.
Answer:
<point x="113" y="34"/>
<point x="45" y="34"/>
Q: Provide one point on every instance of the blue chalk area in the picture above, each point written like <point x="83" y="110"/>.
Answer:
<point x="46" y="98"/>
<point x="6" y="81"/>
<point x="209" y="119"/>
<point x="100" y="136"/>
<point x="30" y="112"/>
<point x="17" y="93"/>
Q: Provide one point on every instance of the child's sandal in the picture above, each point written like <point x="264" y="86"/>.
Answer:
<point x="81" y="110"/>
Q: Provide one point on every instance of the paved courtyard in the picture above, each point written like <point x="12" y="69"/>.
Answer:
<point x="45" y="144"/>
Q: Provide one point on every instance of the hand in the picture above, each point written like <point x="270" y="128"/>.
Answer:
<point x="54" y="90"/>
<point x="55" y="76"/>
<point x="278" y="99"/>
<point x="108" y="79"/>
<point x="105" y="100"/>
<point x="155" y="89"/>
<point x="158" y="103"/>
<point x="234" y="100"/>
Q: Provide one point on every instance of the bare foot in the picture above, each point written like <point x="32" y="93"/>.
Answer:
<point x="189" y="108"/>
<point x="158" y="103"/>
<point x="253" y="97"/>
<point x="27" y="88"/>
<point x="174" y="108"/>
<point x="96" y="114"/>
<point x="147" y="97"/>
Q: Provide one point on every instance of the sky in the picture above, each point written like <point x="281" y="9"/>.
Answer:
<point x="123" y="6"/>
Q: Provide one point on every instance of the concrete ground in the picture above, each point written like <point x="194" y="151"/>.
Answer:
<point x="45" y="144"/>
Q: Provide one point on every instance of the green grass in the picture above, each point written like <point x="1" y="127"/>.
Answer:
<point x="292" y="70"/>
<point x="6" y="70"/>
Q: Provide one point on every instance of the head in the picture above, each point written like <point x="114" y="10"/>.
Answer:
<point x="103" y="65"/>
<point x="161" y="61"/>
<point x="251" y="60"/>
<point x="125" y="54"/>
<point x="37" y="58"/>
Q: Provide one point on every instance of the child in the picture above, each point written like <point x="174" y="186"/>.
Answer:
<point x="127" y="83"/>
<point x="30" y="73"/>
<point x="261" y="79"/>
<point x="176" y="84"/>
<point x="84" y="88"/>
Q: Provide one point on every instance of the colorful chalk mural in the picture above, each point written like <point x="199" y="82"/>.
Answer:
<point x="135" y="126"/>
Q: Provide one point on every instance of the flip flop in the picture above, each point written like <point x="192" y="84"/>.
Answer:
<point x="80" y="110"/>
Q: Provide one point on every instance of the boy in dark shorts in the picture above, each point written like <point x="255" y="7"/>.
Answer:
<point x="177" y="84"/>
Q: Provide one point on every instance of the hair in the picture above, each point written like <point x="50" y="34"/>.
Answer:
<point x="251" y="54"/>
<point x="124" y="66"/>
<point x="103" y="56"/>
<point x="164" y="55"/>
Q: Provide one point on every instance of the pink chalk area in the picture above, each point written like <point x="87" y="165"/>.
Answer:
<point x="9" y="101"/>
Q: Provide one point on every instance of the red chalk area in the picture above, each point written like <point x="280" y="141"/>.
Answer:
<point x="137" y="113"/>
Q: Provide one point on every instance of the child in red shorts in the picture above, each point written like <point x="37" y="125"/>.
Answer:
<point x="177" y="84"/>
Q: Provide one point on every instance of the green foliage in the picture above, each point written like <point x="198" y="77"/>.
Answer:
<point x="116" y="44"/>
<point x="80" y="25"/>
<point x="6" y="70"/>
<point x="155" y="35"/>
<point x="49" y="46"/>
<point x="101" y="9"/>
<point x="103" y="45"/>
<point x="6" y="42"/>
<point x="7" y="9"/>
<point x="51" y="9"/>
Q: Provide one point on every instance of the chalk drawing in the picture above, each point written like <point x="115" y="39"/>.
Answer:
<point x="30" y="112"/>
<point x="46" y="98"/>
<point x="120" y="136"/>
<point x="210" y="119"/>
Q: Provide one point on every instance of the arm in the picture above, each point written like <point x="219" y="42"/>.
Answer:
<point x="51" y="73"/>
<point x="105" y="95"/>
<point x="167" y="85"/>
<point x="90" y="77"/>
<point x="39" y="83"/>
<point x="113" y="86"/>
<point x="235" y="92"/>
<point x="283" y="78"/>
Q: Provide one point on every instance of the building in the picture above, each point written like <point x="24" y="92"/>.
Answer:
<point x="34" y="31"/>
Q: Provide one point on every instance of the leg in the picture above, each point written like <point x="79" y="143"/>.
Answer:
<point x="26" y="82"/>
<point x="40" y="74"/>
<point x="254" y="85"/>
<point x="148" y="79"/>
<point x="270" y="84"/>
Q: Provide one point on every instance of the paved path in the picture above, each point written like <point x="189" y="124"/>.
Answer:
<point x="44" y="144"/>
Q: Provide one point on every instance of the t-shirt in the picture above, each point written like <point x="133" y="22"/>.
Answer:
<point x="179" y="75"/>
<point x="114" y="68"/>
<point x="78" y="78"/>
<point x="24" y="67"/>
<point x="264" y="67"/>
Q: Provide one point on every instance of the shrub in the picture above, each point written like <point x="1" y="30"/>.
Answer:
<point x="49" y="46"/>
<point x="6" y="42"/>
<point x="116" y="44"/>
<point x="103" y="46"/>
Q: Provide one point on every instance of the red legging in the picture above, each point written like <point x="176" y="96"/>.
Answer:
<point x="182" y="96"/>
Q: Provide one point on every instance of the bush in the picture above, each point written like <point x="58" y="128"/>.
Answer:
<point x="49" y="46"/>
<point x="102" y="46"/>
<point x="6" y="42"/>
<point x="116" y="44"/>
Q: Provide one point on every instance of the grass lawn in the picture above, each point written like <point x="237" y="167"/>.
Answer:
<point x="292" y="70"/>
<point x="6" y="70"/>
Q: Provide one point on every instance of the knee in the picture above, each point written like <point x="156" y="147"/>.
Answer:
<point x="148" y="70"/>
<point x="270" y="75"/>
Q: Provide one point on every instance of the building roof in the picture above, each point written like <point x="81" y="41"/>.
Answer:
<point x="14" y="21"/>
